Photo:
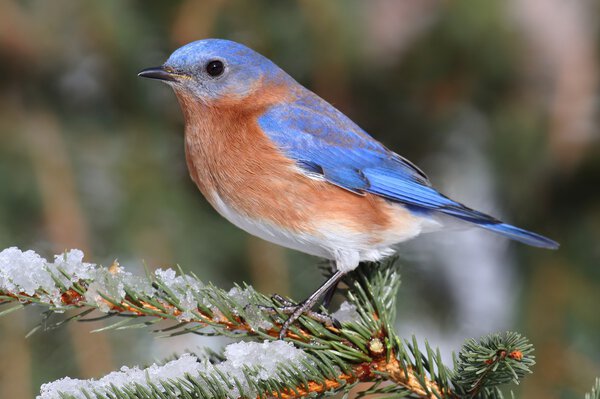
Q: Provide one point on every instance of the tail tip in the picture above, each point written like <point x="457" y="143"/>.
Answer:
<point x="547" y="243"/>
<point x="524" y="236"/>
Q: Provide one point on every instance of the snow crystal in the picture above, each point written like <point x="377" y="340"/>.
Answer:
<point x="185" y="288"/>
<point x="23" y="272"/>
<point x="28" y="273"/>
<point x="72" y="263"/>
<point x="242" y="297"/>
<point x="141" y="285"/>
<point x="166" y="276"/>
<point x="110" y="284"/>
<point x="92" y="295"/>
<point x="254" y="316"/>
<point x="266" y="358"/>
<point x="125" y="377"/>
<point x="347" y="313"/>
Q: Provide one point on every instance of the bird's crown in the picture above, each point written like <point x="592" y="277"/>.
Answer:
<point x="211" y="69"/>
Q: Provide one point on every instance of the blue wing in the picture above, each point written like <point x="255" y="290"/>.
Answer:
<point x="324" y="141"/>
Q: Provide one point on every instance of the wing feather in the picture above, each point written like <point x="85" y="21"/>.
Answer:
<point x="324" y="141"/>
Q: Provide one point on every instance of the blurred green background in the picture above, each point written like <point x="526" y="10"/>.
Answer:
<point x="496" y="100"/>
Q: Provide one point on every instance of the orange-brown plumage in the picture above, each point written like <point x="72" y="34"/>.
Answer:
<point x="230" y="156"/>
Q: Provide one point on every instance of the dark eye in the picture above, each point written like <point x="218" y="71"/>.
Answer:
<point x="215" y="68"/>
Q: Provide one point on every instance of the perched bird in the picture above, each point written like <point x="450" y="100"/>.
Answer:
<point x="283" y="164"/>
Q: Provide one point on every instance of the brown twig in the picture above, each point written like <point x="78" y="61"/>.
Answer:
<point x="382" y="364"/>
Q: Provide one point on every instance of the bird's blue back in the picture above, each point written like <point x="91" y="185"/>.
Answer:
<point x="325" y="142"/>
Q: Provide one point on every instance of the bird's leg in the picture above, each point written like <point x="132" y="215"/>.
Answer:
<point x="329" y="294"/>
<point x="311" y="301"/>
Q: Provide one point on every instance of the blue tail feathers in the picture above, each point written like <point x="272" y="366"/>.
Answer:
<point x="490" y="223"/>
<point x="524" y="236"/>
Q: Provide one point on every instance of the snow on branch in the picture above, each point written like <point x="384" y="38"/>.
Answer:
<point x="246" y="366"/>
<point x="314" y="358"/>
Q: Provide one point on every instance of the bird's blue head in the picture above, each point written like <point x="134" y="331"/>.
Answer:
<point x="213" y="69"/>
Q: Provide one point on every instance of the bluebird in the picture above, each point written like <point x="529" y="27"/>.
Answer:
<point x="281" y="163"/>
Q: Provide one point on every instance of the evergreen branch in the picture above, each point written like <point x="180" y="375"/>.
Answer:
<point x="494" y="360"/>
<point x="362" y="348"/>
<point x="595" y="392"/>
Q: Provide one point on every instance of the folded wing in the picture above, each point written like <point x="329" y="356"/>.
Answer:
<point x="324" y="141"/>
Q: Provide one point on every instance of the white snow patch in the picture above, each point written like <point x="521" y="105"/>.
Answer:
<point x="266" y="357"/>
<point x="125" y="377"/>
<point x="347" y="313"/>
<point x="254" y="316"/>
<point x="185" y="288"/>
<point x="26" y="272"/>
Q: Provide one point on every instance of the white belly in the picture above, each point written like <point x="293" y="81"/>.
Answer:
<point x="270" y="232"/>
<point x="347" y="248"/>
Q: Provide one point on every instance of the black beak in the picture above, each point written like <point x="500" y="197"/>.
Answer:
<point x="160" y="73"/>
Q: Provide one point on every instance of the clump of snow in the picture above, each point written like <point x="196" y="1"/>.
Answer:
<point x="242" y="297"/>
<point x="254" y="316"/>
<point x="30" y="274"/>
<point x="71" y="262"/>
<point x="125" y="377"/>
<point x="111" y="283"/>
<point x="26" y="272"/>
<point x="265" y="357"/>
<point x="140" y="285"/>
<point x="346" y="313"/>
<point x="185" y="288"/>
<point x="108" y="283"/>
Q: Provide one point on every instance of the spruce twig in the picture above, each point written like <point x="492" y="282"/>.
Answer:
<point x="365" y="348"/>
<point x="595" y="392"/>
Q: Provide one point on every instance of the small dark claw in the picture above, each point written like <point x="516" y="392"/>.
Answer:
<point x="336" y="323"/>
<point x="283" y="300"/>
<point x="289" y="310"/>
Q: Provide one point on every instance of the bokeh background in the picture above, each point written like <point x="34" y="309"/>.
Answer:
<point x="496" y="100"/>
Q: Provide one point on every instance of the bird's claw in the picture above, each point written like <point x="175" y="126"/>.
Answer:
<point x="295" y="311"/>
<point x="304" y="309"/>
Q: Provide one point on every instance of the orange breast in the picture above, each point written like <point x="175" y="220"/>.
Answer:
<point x="228" y="154"/>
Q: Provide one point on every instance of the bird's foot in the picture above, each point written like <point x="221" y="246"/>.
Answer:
<point x="290" y="308"/>
<point x="295" y="311"/>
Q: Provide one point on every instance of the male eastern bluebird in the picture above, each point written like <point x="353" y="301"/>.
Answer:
<point x="283" y="164"/>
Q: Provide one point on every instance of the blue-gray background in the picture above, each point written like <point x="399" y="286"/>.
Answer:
<point x="496" y="100"/>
